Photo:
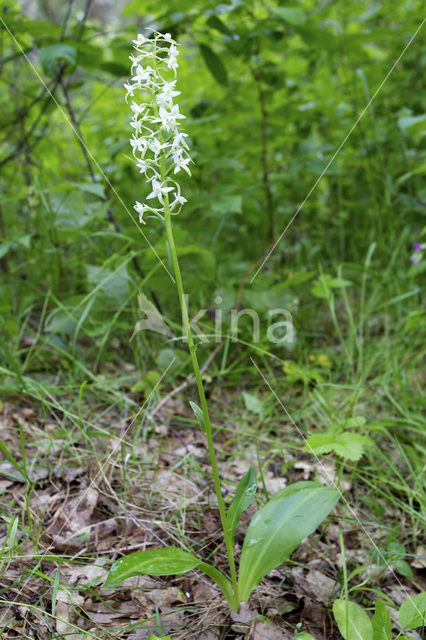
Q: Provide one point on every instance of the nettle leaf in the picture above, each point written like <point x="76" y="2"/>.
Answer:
<point x="412" y="612"/>
<point x="352" y="620"/>
<point x="347" y="445"/>
<point x="49" y="57"/>
<point x="381" y="621"/>
<point x="278" y="528"/>
<point x="153" y="562"/>
<point x="244" y="496"/>
<point x="214" y="64"/>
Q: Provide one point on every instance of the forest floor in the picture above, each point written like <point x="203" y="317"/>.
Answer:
<point x="128" y="480"/>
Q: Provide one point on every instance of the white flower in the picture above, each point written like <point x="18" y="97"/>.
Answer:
<point x="158" y="190"/>
<point x="181" y="162"/>
<point x="139" y="144"/>
<point x="142" y="165"/>
<point x="165" y="98"/>
<point x="169" y="89"/>
<point x="137" y="108"/>
<point x="129" y="89"/>
<point x="134" y="59"/>
<point x="178" y="141"/>
<point x="137" y="125"/>
<point x="173" y="54"/>
<point x="159" y="148"/>
<point x="156" y="146"/>
<point x="142" y="75"/>
<point x="168" y="118"/>
<point x="140" y="208"/>
<point x="140" y="40"/>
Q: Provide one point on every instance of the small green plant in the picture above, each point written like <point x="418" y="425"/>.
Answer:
<point x="160" y="151"/>
<point x="355" y="624"/>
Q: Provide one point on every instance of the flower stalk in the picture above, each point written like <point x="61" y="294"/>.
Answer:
<point x="160" y="150"/>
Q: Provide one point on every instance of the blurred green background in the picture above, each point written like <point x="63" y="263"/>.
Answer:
<point x="270" y="90"/>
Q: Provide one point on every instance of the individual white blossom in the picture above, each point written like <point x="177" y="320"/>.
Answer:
<point x="158" y="190"/>
<point x="140" y="40"/>
<point x="141" y="209"/>
<point x="139" y="144"/>
<point x="172" y="60"/>
<point x="130" y="90"/>
<point x="181" y="162"/>
<point x="158" y="146"/>
<point x="137" y="108"/>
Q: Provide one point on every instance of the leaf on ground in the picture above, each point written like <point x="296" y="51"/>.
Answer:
<point x="154" y="562"/>
<point x="412" y="613"/>
<point x="352" y="620"/>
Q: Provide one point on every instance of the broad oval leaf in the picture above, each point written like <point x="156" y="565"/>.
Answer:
<point x="412" y="613"/>
<point x="244" y="496"/>
<point x="381" y="621"/>
<point x="278" y="527"/>
<point x="352" y="620"/>
<point x="154" y="562"/>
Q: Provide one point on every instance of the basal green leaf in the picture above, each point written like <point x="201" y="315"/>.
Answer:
<point x="244" y="496"/>
<point x="352" y="620"/>
<point x="278" y="528"/>
<point x="222" y="581"/>
<point x="381" y="621"/>
<point x="412" y="613"/>
<point x="153" y="562"/>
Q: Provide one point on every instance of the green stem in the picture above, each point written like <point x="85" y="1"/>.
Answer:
<point x="201" y="393"/>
